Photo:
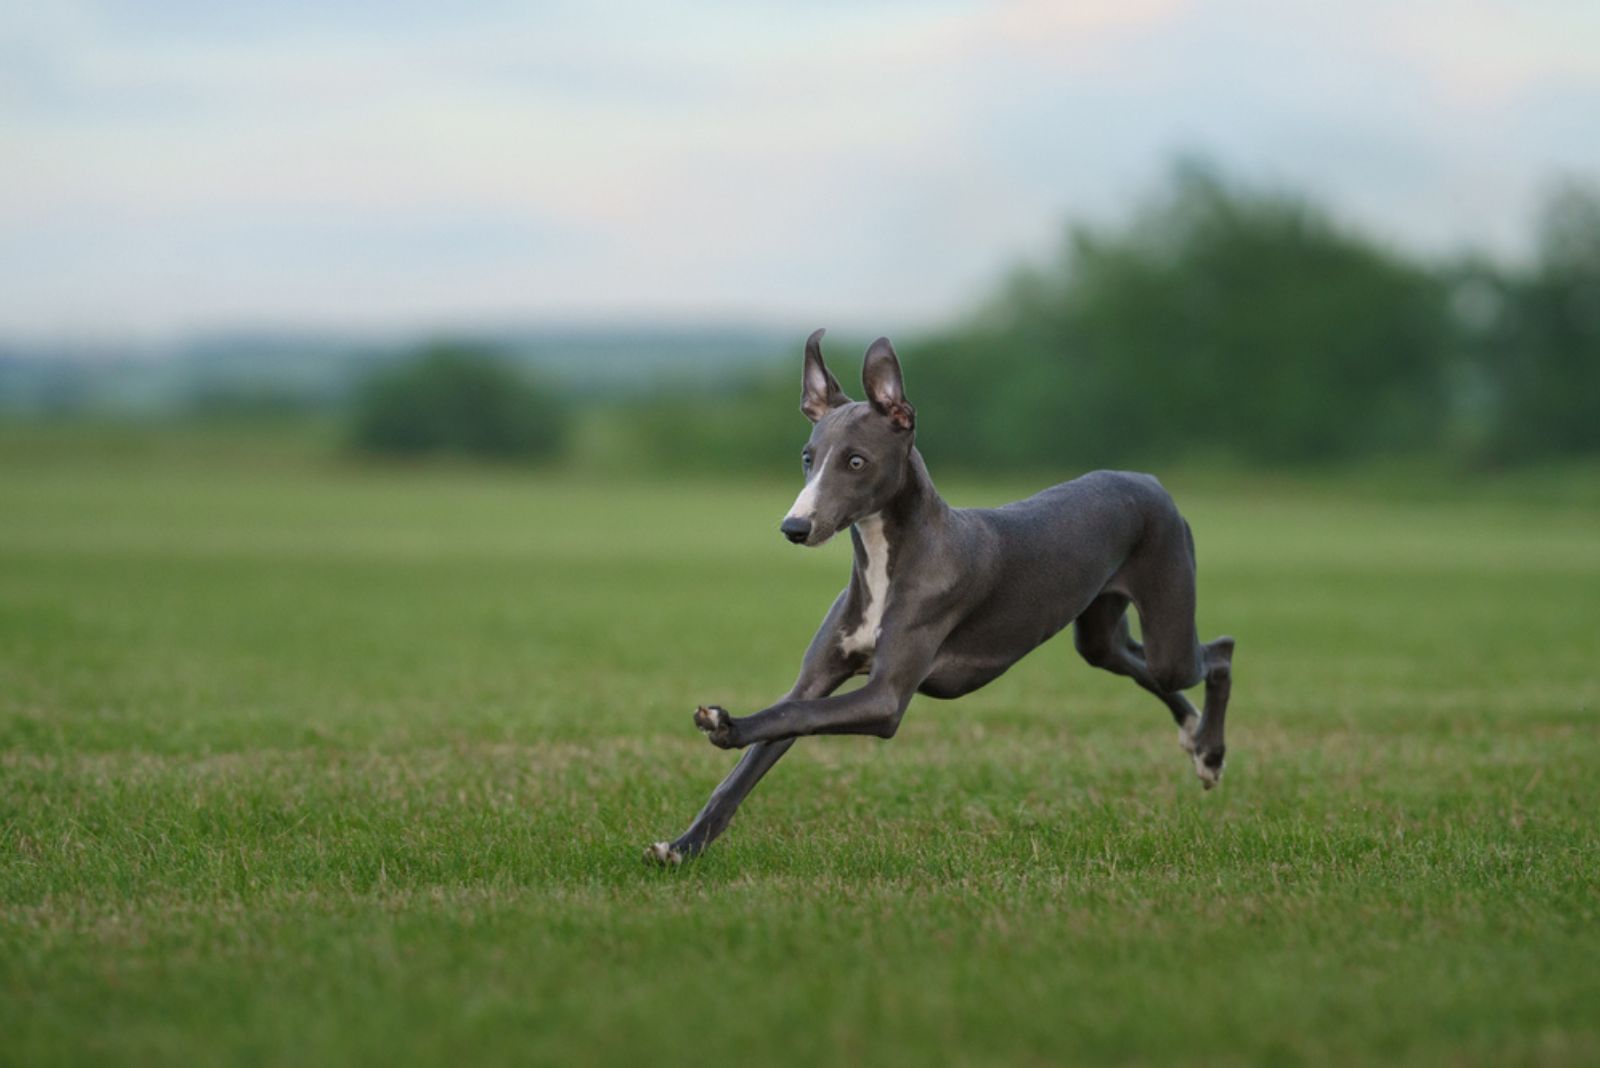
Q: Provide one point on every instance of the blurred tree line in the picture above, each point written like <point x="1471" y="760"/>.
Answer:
<point x="1222" y="322"/>
<point x="1219" y="322"/>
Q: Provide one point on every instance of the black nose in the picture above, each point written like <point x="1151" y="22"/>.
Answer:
<point x="796" y="530"/>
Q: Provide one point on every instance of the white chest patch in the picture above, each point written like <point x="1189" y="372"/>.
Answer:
<point x="864" y="638"/>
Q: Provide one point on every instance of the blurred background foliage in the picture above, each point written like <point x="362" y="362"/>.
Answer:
<point x="1218" y="323"/>
<point x="456" y="398"/>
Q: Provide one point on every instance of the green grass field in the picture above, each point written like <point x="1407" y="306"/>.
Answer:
<point x="302" y="762"/>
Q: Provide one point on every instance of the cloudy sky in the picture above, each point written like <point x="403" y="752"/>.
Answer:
<point x="168" y="166"/>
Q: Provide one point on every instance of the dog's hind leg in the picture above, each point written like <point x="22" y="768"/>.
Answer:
<point x="1210" y="746"/>
<point x="1160" y="577"/>
<point x="1102" y="638"/>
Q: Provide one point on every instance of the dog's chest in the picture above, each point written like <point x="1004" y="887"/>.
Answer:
<point x="863" y="638"/>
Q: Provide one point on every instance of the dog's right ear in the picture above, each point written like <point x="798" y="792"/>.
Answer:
<point x="819" y="390"/>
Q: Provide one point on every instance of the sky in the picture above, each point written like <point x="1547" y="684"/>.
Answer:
<point x="168" y="167"/>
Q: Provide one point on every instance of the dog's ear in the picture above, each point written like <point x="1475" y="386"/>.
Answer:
<point x="880" y="377"/>
<point x="819" y="390"/>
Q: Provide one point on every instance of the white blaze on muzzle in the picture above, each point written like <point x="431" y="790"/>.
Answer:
<point x="805" y="505"/>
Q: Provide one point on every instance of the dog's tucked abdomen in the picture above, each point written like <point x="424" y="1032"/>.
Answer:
<point x="1054" y="553"/>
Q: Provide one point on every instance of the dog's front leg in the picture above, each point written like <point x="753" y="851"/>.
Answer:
<point x="724" y="802"/>
<point x="876" y="709"/>
<point x="845" y="714"/>
<point x="824" y="669"/>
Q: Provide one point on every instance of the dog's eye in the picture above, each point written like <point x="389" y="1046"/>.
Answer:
<point x="857" y="462"/>
<point x="805" y="460"/>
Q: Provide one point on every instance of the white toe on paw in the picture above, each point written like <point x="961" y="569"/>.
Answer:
<point x="1209" y="776"/>
<point x="663" y="854"/>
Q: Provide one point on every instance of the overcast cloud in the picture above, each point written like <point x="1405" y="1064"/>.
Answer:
<point x="172" y="166"/>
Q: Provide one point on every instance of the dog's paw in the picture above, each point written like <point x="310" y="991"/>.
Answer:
<point x="716" y="724"/>
<point x="662" y="855"/>
<point x="1208" y="765"/>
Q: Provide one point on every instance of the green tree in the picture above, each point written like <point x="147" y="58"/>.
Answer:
<point x="1220" y="320"/>
<point x="1546" y="354"/>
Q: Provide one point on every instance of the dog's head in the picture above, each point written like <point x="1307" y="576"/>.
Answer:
<point x="859" y="452"/>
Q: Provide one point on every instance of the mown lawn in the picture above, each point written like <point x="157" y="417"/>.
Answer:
<point x="303" y="762"/>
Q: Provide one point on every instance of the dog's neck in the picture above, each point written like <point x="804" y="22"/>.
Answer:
<point x="915" y="511"/>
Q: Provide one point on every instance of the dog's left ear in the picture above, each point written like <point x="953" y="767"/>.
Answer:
<point x="880" y="377"/>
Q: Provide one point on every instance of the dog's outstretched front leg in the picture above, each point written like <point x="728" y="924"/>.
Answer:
<point x="824" y="669"/>
<point x="901" y="663"/>
<point x="874" y="709"/>
<point x="859" y="712"/>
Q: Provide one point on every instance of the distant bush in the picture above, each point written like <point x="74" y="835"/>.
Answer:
<point x="461" y="399"/>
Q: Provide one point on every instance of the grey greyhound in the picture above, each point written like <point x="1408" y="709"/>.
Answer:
<point x="942" y="600"/>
